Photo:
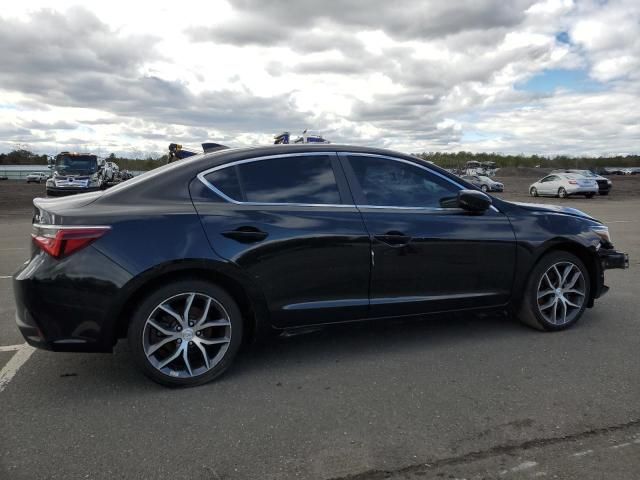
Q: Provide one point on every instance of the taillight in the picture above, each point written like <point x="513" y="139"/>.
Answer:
<point x="573" y="182"/>
<point x="61" y="241"/>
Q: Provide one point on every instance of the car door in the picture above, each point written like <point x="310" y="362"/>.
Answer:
<point x="289" y="222"/>
<point x="427" y="257"/>
<point x="546" y="185"/>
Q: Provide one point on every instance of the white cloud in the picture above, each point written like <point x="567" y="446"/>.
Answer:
<point x="431" y="75"/>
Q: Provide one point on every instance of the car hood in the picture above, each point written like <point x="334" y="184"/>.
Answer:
<point x="540" y="207"/>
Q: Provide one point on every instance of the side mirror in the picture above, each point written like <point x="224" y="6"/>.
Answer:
<point x="473" y="201"/>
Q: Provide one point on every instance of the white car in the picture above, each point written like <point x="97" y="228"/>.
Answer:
<point x="563" y="185"/>
<point x="37" y="177"/>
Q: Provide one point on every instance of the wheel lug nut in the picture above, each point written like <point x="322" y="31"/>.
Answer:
<point x="199" y="334"/>
<point x="179" y="340"/>
<point x="190" y="343"/>
<point x="179" y="328"/>
<point x="191" y="324"/>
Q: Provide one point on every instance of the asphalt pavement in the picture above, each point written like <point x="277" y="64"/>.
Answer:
<point x="458" y="396"/>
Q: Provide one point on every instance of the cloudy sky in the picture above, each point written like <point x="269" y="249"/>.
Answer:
<point x="517" y="76"/>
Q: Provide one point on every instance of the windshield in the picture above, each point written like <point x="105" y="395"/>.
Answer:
<point x="77" y="164"/>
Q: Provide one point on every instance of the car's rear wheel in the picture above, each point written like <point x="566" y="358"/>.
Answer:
<point x="186" y="333"/>
<point x="533" y="192"/>
<point x="562" y="193"/>
<point x="557" y="292"/>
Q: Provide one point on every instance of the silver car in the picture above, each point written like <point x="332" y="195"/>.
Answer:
<point x="485" y="183"/>
<point x="563" y="185"/>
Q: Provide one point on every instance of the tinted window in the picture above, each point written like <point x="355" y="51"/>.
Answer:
<point x="391" y="183"/>
<point x="226" y="180"/>
<point x="303" y="179"/>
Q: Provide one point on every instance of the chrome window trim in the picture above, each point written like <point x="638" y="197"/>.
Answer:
<point x="210" y="186"/>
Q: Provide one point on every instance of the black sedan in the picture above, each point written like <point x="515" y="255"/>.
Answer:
<point x="194" y="258"/>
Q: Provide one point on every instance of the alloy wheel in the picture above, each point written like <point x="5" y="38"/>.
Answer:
<point x="186" y="335"/>
<point x="561" y="293"/>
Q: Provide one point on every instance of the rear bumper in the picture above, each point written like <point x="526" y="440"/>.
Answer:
<point x="581" y="190"/>
<point x="68" y="313"/>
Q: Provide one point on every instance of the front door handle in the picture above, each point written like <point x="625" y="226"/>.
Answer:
<point x="394" y="239"/>
<point x="246" y="234"/>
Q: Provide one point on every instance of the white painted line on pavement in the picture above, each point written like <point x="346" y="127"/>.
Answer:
<point x="13" y="248"/>
<point x="622" y="445"/>
<point x="5" y="276"/>
<point x="582" y="454"/>
<point x="10" y="348"/>
<point x="13" y="365"/>
<point x="524" y="466"/>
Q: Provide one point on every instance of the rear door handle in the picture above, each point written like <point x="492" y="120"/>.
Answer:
<point x="393" y="238"/>
<point x="246" y="234"/>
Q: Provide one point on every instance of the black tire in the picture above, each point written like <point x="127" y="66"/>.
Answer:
<point x="180" y="287"/>
<point x="484" y="188"/>
<point x="530" y="313"/>
<point x="533" y="192"/>
<point x="604" y="193"/>
<point x="562" y="193"/>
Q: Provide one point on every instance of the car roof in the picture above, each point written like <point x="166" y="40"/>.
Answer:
<point x="161" y="181"/>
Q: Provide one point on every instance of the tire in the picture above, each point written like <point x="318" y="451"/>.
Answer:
<point x="484" y="188"/>
<point x="219" y="341"/>
<point x="539" y="312"/>
<point x="562" y="193"/>
<point x="533" y="192"/>
<point x="604" y="193"/>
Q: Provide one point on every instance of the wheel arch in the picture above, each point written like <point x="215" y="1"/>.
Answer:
<point x="249" y="298"/>
<point x="583" y="252"/>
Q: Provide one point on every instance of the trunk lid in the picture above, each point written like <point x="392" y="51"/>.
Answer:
<point x="51" y="211"/>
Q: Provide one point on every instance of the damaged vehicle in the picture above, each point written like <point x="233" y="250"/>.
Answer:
<point x="193" y="259"/>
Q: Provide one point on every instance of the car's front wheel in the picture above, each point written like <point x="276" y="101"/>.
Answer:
<point x="557" y="292"/>
<point x="484" y="188"/>
<point x="533" y="192"/>
<point x="185" y="333"/>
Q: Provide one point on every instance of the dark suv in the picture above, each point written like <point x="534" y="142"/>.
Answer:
<point x="190" y="260"/>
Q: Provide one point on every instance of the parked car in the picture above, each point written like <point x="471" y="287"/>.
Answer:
<point x="37" y="177"/>
<point x="604" y="184"/>
<point x="563" y="185"/>
<point x="192" y="259"/>
<point x="485" y="183"/>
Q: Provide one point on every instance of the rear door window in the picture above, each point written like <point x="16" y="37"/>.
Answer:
<point x="300" y="179"/>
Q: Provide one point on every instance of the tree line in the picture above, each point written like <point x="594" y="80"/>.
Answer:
<point x="446" y="160"/>
<point x="459" y="159"/>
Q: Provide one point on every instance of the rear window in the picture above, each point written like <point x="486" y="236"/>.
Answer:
<point x="306" y="179"/>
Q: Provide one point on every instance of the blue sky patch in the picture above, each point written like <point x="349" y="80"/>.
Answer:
<point x="563" y="37"/>
<point x="551" y="80"/>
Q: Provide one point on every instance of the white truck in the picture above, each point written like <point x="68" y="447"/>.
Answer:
<point x="79" y="173"/>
